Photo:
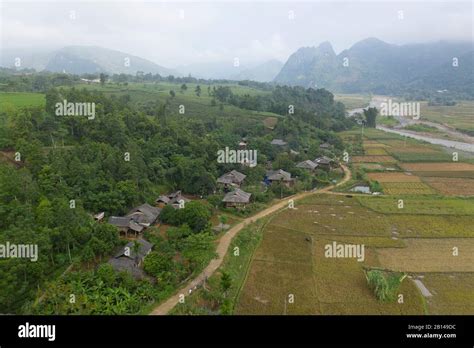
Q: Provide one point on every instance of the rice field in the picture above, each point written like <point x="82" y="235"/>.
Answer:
<point x="451" y="186"/>
<point x="393" y="177"/>
<point x="430" y="255"/>
<point x="407" y="188"/>
<point x="373" y="159"/>
<point x="438" y="167"/>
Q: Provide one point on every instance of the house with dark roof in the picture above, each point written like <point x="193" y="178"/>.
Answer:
<point x="172" y="199"/>
<point x="324" y="162"/>
<point x="126" y="225"/>
<point x="325" y="146"/>
<point x="144" y="214"/>
<point x="136" y="220"/>
<point x="308" y="164"/>
<point x="279" y="142"/>
<point x="232" y="178"/>
<point x="130" y="257"/>
<point x="279" y="176"/>
<point x="236" y="198"/>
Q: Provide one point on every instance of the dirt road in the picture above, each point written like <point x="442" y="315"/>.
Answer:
<point x="226" y="239"/>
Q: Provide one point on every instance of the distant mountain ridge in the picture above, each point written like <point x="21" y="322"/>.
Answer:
<point x="372" y="65"/>
<point x="86" y="60"/>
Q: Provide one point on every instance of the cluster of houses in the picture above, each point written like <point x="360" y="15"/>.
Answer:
<point x="130" y="257"/>
<point x="232" y="181"/>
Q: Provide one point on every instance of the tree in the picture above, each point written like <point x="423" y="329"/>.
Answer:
<point x="226" y="282"/>
<point x="370" y="116"/>
<point x="223" y="220"/>
<point x="198" y="90"/>
<point x="172" y="93"/>
<point x="183" y="88"/>
<point x="103" y="78"/>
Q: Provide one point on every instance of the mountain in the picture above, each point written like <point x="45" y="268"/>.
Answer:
<point x="379" y="67"/>
<point x="261" y="72"/>
<point x="264" y="72"/>
<point x="85" y="59"/>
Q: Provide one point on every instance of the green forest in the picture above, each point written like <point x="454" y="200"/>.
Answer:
<point x="56" y="172"/>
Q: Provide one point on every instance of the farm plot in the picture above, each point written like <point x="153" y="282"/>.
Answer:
<point x="429" y="255"/>
<point x="423" y="205"/>
<point x="407" y="188"/>
<point x="332" y="220"/>
<point x="319" y="285"/>
<point x="452" y="293"/>
<point x="375" y="152"/>
<point x="369" y="166"/>
<point x="373" y="159"/>
<point x="438" y="167"/>
<point x="436" y="226"/>
<point x="442" y="169"/>
<point x="452" y="186"/>
<point x="393" y="177"/>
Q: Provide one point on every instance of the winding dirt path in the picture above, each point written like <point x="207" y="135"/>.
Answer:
<point x="226" y="239"/>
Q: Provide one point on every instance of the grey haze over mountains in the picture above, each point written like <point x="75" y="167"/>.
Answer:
<point x="372" y="65"/>
<point x="84" y="60"/>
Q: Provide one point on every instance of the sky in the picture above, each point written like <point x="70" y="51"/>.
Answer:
<point x="180" y="33"/>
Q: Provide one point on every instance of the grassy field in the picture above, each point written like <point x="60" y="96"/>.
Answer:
<point x="459" y="116"/>
<point x="20" y="99"/>
<point x="291" y="262"/>
<point x="353" y="101"/>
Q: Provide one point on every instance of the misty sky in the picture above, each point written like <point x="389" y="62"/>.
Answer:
<point x="179" y="33"/>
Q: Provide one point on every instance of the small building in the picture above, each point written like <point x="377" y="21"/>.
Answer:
<point x="172" y="199"/>
<point x="279" y="142"/>
<point x="232" y="178"/>
<point x="308" y="164"/>
<point x="324" y="162"/>
<point x="236" y="199"/>
<point x="325" y="146"/>
<point x="279" y="176"/>
<point x="99" y="216"/>
<point x="129" y="258"/>
<point x="144" y="215"/>
<point x="126" y="225"/>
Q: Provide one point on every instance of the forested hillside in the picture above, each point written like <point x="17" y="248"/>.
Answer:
<point x="57" y="171"/>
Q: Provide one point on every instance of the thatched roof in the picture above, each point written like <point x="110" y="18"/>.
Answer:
<point x="237" y="196"/>
<point x="232" y="177"/>
<point x="307" y="165"/>
<point x="278" y="142"/>
<point x="277" y="175"/>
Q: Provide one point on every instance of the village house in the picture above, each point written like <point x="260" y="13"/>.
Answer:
<point x="129" y="258"/>
<point x="125" y="225"/>
<point x="308" y="164"/>
<point x="279" y="176"/>
<point x="172" y="199"/>
<point x="279" y="142"/>
<point x="99" y="216"/>
<point x="145" y="215"/>
<point x="325" y="146"/>
<point x="324" y="162"/>
<point x="232" y="178"/>
<point x="236" y="199"/>
<point x="136" y="220"/>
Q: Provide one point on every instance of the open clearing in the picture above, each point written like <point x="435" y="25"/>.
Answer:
<point x="20" y="99"/>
